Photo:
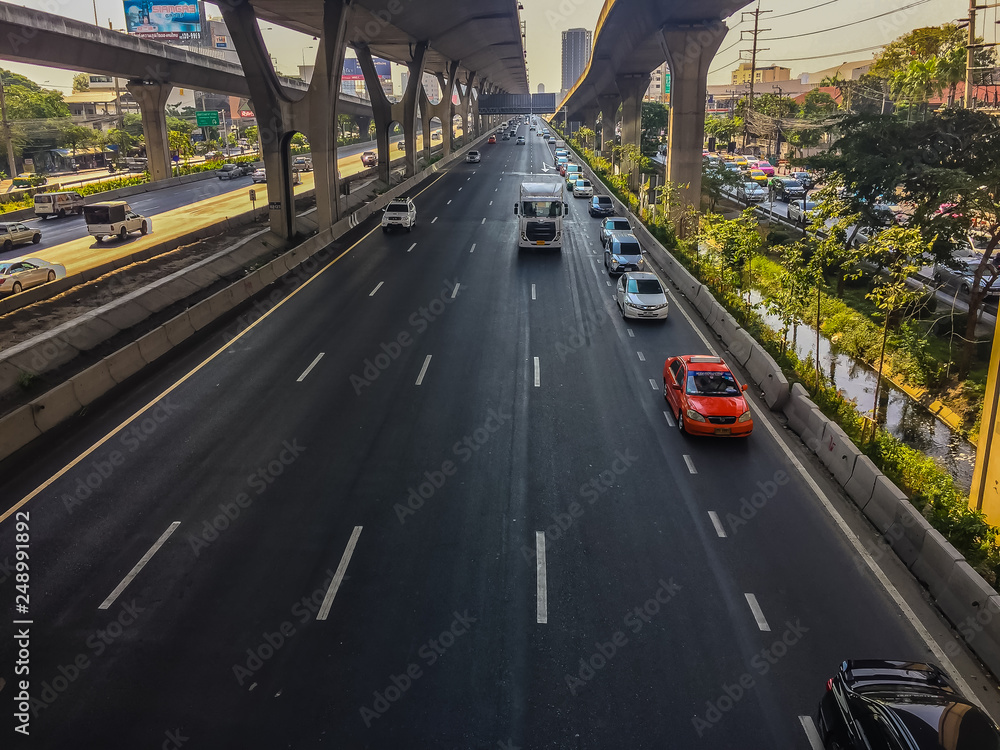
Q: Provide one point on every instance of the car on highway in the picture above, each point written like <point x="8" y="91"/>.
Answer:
<point x="505" y="137"/>
<point x="733" y="167"/>
<point x="230" y="171"/>
<point x="491" y="139"/>
<point x="758" y="176"/>
<point x="114" y="218"/>
<point x="29" y="179"/>
<point x="741" y="161"/>
<point x="765" y="166"/>
<point x="14" y="233"/>
<point x="805" y="179"/>
<point x="561" y="152"/>
<point x="519" y="141"/>
<point x="560" y="160"/>
<point x="472" y="157"/>
<point x="611" y="225"/>
<point x="573" y="172"/>
<point x="259" y="175"/>
<point x="401" y="145"/>
<point x="583" y="189"/>
<point x="399" y="213"/>
<point x="960" y="273"/>
<point x="750" y="192"/>
<point x="18" y="275"/>
<point x="801" y="211"/>
<point x="640" y="295"/>
<point x="369" y="158"/>
<point x="303" y="164"/>
<point x="705" y="397"/>
<point x="623" y="253"/>
<point x="787" y="188"/>
<point x="601" y="205"/>
<point x="58" y="204"/>
<point x="900" y="705"/>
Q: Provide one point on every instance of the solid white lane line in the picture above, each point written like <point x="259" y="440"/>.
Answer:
<point x="377" y="287"/>
<point x="541" y="593"/>
<point x="642" y="357"/>
<point x="423" y="370"/>
<point x="455" y="290"/>
<point x="495" y="189"/>
<point x="315" y="361"/>
<point x="139" y="565"/>
<point x="758" y="614"/>
<point x="436" y="218"/>
<point x="468" y="178"/>
<point x="670" y="419"/>
<point x="607" y="282"/>
<point x="338" y="577"/>
<point x="538" y="375"/>
<point x="460" y="190"/>
<point x="532" y="291"/>
<point x="812" y="734"/>
<point x="473" y="248"/>
<point x="656" y="386"/>
<point x="717" y="524"/>
<point x="413" y="245"/>
<point x="483" y="221"/>
<point x="630" y="334"/>
<point x="448" y="203"/>
<point x="690" y="464"/>
<point x="491" y="203"/>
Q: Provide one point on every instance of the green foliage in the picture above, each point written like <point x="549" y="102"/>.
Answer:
<point x="655" y="117"/>
<point x="24" y="103"/>
<point x="81" y="82"/>
<point x="723" y="128"/>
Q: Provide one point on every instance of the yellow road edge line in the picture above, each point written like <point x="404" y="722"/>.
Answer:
<point x="63" y="471"/>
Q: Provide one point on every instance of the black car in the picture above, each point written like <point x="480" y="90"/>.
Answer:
<point x="900" y="705"/>
<point x="805" y="179"/>
<point x="786" y="189"/>
<point x="601" y="205"/>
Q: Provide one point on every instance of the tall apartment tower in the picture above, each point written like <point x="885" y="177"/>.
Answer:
<point x="576" y="44"/>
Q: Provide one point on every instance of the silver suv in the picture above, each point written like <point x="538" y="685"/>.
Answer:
<point x="623" y="253"/>
<point x="399" y="213"/>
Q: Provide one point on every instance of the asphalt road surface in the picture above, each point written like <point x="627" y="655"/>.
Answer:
<point x="327" y="532"/>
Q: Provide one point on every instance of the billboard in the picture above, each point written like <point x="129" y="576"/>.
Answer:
<point x="353" y="72"/>
<point x="179" y="21"/>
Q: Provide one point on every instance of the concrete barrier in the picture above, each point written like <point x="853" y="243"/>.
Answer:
<point x="907" y="533"/>
<point x="725" y="326"/>
<point x="741" y="346"/>
<point x="57" y="405"/>
<point x="703" y="301"/>
<point x="837" y="453"/>
<point x="862" y="482"/>
<point x="965" y="599"/>
<point x="41" y="354"/>
<point x="154" y="344"/>
<point x="125" y="314"/>
<point x="798" y="407"/>
<point x="766" y="374"/>
<point x="885" y="504"/>
<point x="200" y="314"/>
<point x="18" y="429"/>
<point x="93" y="382"/>
<point x="934" y="564"/>
<point x="178" y="329"/>
<point x="86" y="331"/>
<point x="125" y="362"/>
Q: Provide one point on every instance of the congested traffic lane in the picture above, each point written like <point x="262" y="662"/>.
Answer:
<point x="420" y="464"/>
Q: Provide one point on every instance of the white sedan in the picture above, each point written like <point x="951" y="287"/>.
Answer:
<point x="640" y="295"/>
<point x="472" y="157"/>
<point x="259" y="175"/>
<point x="583" y="189"/>
<point x="18" y="275"/>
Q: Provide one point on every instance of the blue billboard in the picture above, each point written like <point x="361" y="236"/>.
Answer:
<point x="353" y="72"/>
<point x="163" y="21"/>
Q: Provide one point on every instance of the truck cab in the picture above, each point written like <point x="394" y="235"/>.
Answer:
<point x="114" y="218"/>
<point x="540" y="214"/>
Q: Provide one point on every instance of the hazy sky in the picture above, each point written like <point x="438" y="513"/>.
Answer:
<point x="546" y="19"/>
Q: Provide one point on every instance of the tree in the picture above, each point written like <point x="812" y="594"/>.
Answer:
<point x="794" y="283"/>
<point x="372" y="130"/>
<point x="772" y="105"/>
<point x="81" y="82"/>
<point x="723" y="128"/>
<point x="298" y="140"/>
<point x="25" y="103"/>
<point x="738" y="241"/>
<point x="586" y="136"/>
<point x="251" y="134"/>
<point x="714" y="181"/>
<point x="655" y="117"/>
<point x="818" y="105"/>
<point x="76" y="136"/>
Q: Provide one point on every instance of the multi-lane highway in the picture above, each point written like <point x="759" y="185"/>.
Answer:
<point x="432" y="500"/>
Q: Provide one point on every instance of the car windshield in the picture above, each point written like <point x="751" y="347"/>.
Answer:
<point x="792" y="184"/>
<point x="397" y="207"/>
<point x="712" y="383"/>
<point x="644" y="286"/>
<point x="603" y="200"/>
<point x="810" y="205"/>
<point x="619" y="224"/>
<point x="4" y="268"/>
<point x="548" y="209"/>
<point x="628" y="248"/>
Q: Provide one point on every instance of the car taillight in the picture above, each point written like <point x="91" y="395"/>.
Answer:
<point x="829" y="684"/>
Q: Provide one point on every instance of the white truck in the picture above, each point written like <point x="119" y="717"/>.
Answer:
<point x="540" y="214"/>
<point x="113" y="218"/>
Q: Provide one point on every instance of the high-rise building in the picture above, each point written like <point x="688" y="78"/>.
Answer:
<point x="659" y="85"/>
<point x="576" y="44"/>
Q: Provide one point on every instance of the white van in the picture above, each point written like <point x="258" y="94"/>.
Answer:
<point x="113" y="218"/>
<point x="58" y="204"/>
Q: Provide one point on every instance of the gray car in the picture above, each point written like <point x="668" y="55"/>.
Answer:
<point x="611" y="225"/>
<point x="15" y="233"/>
<point x="623" y="253"/>
<point x="229" y="172"/>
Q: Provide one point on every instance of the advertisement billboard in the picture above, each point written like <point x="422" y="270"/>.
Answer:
<point x="179" y="21"/>
<point x="352" y="69"/>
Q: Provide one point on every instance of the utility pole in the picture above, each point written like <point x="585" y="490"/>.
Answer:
<point x="753" y="62"/>
<point x="970" y="59"/>
<point x="6" y="132"/>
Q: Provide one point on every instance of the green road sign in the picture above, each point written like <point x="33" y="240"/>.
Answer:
<point x="210" y="119"/>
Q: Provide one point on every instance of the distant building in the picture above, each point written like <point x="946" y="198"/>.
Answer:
<point x="769" y="74"/>
<point x="848" y="71"/>
<point x="96" y="108"/>
<point x="659" y="85"/>
<point x="432" y="87"/>
<point x="576" y="46"/>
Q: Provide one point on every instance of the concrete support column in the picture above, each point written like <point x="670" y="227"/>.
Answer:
<point x="152" y="99"/>
<point x="382" y="110"/>
<point x="363" y="123"/>
<point x="632" y="88"/>
<point x="407" y="109"/>
<point x="609" y="104"/>
<point x="465" y="104"/>
<point x="689" y="51"/>
<point x="446" y="108"/>
<point x="279" y="116"/>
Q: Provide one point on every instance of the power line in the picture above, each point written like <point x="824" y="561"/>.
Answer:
<point x="846" y="25"/>
<point x="831" y="54"/>
<point x="803" y="10"/>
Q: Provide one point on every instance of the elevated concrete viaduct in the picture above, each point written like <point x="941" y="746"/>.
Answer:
<point x="632" y="38"/>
